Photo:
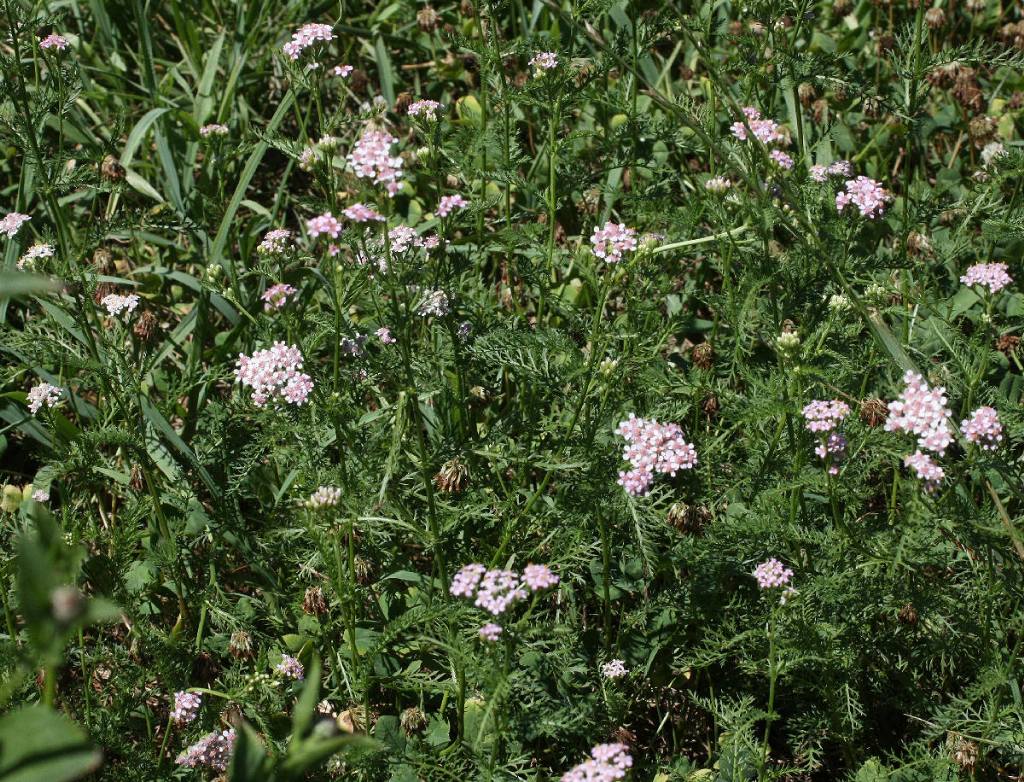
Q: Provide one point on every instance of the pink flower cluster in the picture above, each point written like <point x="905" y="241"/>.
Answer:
<point x="921" y="410"/>
<point x="371" y="158"/>
<point x="839" y="168"/>
<point x="607" y="763"/>
<point x="988" y="275"/>
<point x="614" y="669"/>
<point x="781" y="159"/>
<point x="772" y="573"/>
<point x="450" y="203"/>
<point x="214" y="129"/>
<point x="323" y="225"/>
<point x="823" y="418"/>
<point x="213" y="751"/>
<point x="306" y="36"/>
<point x="490" y="632"/>
<point x="276" y="296"/>
<point x="652" y="448"/>
<point x="54" y="41"/>
<point x="866" y="194"/>
<point x="186" y="707"/>
<point x="983" y="428"/>
<point x="275" y="242"/>
<point x="765" y="130"/>
<point x="117" y="304"/>
<point x="274" y="373"/>
<point x="926" y="469"/>
<point x="384" y="335"/>
<point x="12" y="222"/>
<point x="495" y="590"/>
<point x="42" y="395"/>
<point x="544" y="61"/>
<point x="424" y="108"/>
<point x="434" y="303"/>
<point x="342" y="71"/>
<point x="361" y="213"/>
<point x="612" y="240"/>
<point x="290" y="668"/>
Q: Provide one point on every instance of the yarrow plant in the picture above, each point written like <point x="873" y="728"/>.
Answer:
<point x="305" y="37"/>
<point x="324" y="497"/>
<point x="371" y="159"/>
<point x="771" y="574"/>
<point x="33" y="254"/>
<point x="274" y="374"/>
<point x="275" y="242"/>
<point x="993" y="276"/>
<point x="427" y="109"/>
<point x="652" y="448"/>
<point x="186" y="707"/>
<point x="117" y="305"/>
<point x="54" y="41"/>
<point x="276" y="296"/>
<point x="866" y="194"/>
<point x="43" y="395"/>
<point x="214" y="129"/>
<point x="983" y="428"/>
<point x="765" y="130"/>
<point x="449" y="204"/>
<point x="212" y="751"/>
<point x="12" y="223"/>
<point x="495" y="590"/>
<point x="543" y="61"/>
<point x="823" y="418"/>
<point x="614" y="669"/>
<point x="290" y="668"/>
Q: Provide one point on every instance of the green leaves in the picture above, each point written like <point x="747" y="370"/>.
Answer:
<point x="38" y="744"/>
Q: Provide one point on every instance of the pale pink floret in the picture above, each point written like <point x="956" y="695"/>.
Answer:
<point x="772" y="573"/>
<point x="290" y="668"/>
<point x="490" y="632"/>
<point x="42" y="395"/>
<point x="342" y="71"/>
<point x="765" y="130"/>
<point x="371" y="158"/>
<point x="824" y="416"/>
<point x="614" y="669"/>
<point x="212" y="751"/>
<point x="612" y="240"/>
<point x="466" y="581"/>
<point x="866" y="194"/>
<point x="781" y="158"/>
<point x="117" y="304"/>
<point x="496" y="590"/>
<point x="449" y="204"/>
<point x="926" y="469"/>
<point x="306" y="36"/>
<point x="360" y="213"/>
<point x="12" y="222"/>
<point x="275" y="242"/>
<point x="537" y="577"/>
<point x="544" y="61"/>
<point x="921" y="411"/>
<point x="276" y="296"/>
<point x="983" y="428"/>
<point x="652" y="447"/>
<point x="274" y="374"/>
<point x="323" y="225"/>
<point x="424" y="108"/>
<point x="186" y="707"/>
<point x="384" y="335"/>
<point x="54" y="41"/>
<point x="988" y="275"/>
<point x="607" y="763"/>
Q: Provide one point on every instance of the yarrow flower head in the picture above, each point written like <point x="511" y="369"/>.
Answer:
<point x="12" y="222"/>
<point x="371" y="158"/>
<point x="214" y="129"/>
<point x="43" y="395"/>
<point x="781" y="159"/>
<point x="275" y="242"/>
<point x="276" y="296"/>
<point x="306" y="36"/>
<point x="33" y="254"/>
<point x="324" y="497"/>
<point x="290" y="668"/>
<point x="607" y="763"/>
<point x="772" y="573"/>
<point x="384" y="335"/>
<point x="424" y="108"/>
<point x="342" y="71"/>
<point x="496" y="590"/>
<point x="54" y="41"/>
<point x="41" y="495"/>
<point x="612" y="240"/>
<point x="823" y="418"/>
<point x="360" y="213"/>
<point x="212" y="751"/>
<point x="435" y="303"/>
<point x="186" y="707"/>
<point x="765" y="130"/>
<point x="866" y="194"/>
<point x="274" y="374"/>
<point x="651" y="448"/>
<point x="614" y="669"/>
<point x="325" y="224"/>
<point x="926" y="469"/>
<point x="839" y="168"/>
<point x="449" y="204"/>
<point x="490" y="632"/>
<point x="983" y="428"/>
<point x="921" y="410"/>
<point x="717" y="185"/>
<point x="543" y="61"/>
<point x="116" y="304"/>
<point x="993" y="276"/>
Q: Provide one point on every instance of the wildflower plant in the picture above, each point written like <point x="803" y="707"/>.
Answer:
<point x="582" y="391"/>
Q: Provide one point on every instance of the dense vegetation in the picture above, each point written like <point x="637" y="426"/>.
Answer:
<point x="395" y="391"/>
